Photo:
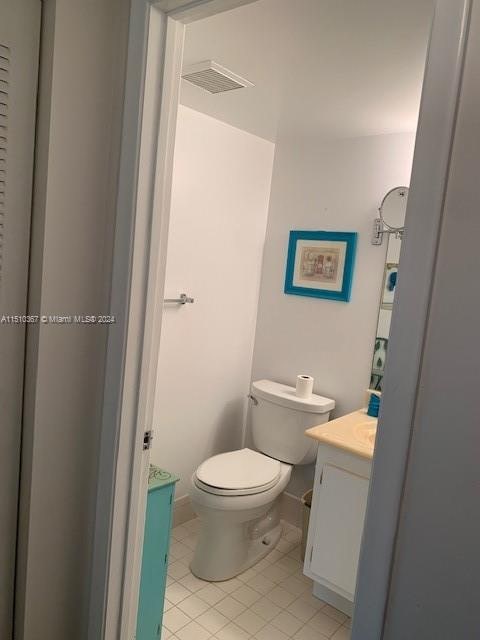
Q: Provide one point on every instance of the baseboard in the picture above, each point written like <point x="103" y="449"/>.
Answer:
<point x="333" y="599"/>
<point x="291" y="509"/>
<point x="182" y="511"/>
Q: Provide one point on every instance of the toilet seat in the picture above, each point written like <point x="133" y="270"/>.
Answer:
<point x="238" y="473"/>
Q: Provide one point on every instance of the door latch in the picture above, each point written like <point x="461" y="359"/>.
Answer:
<point x="147" y="440"/>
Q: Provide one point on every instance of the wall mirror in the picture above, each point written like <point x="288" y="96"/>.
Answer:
<point x="392" y="219"/>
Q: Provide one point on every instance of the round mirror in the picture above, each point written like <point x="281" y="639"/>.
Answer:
<point x="393" y="208"/>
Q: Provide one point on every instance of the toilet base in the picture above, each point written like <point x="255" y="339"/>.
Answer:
<point x="226" y="551"/>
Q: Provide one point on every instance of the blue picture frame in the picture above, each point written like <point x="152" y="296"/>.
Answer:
<point x="338" y="254"/>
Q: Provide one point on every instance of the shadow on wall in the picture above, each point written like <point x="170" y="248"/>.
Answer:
<point x="229" y="428"/>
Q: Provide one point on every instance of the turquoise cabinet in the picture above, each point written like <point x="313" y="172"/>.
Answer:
<point x="158" y="520"/>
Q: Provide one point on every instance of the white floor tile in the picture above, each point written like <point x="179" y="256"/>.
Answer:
<point x="287" y="623"/>
<point x="275" y="573"/>
<point x="250" y="622"/>
<point x="180" y="532"/>
<point x="269" y="632"/>
<point x="302" y="610"/>
<point x="193" y="606"/>
<point x="296" y="553"/>
<point x="296" y="586"/>
<point x="177" y="570"/>
<point x="309" y="633"/>
<point x="309" y="598"/>
<point x="299" y="575"/>
<point x="281" y="597"/>
<point x="266" y="609"/>
<point x="247" y="575"/>
<point x="246" y="595"/>
<point x="232" y="632"/>
<point x="261" y="584"/>
<point x="193" y="631"/>
<point x="167" y="604"/>
<point x="284" y="545"/>
<point x="190" y="542"/>
<point x="175" y="593"/>
<point x="324" y="624"/>
<point x="270" y="601"/>
<point x="274" y="555"/>
<point x="192" y="525"/>
<point x="260" y="566"/>
<point x="230" y="607"/>
<point x="289" y="564"/>
<point x="193" y="583"/>
<point x="337" y="615"/>
<point x="230" y="585"/>
<point x="211" y="594"/>
<point x="344" y="633"/>
<point x="294" y="535"/>
<point x="212" y="620"/>
<point x="174" y="619"/>
<point x="178" y="550"/>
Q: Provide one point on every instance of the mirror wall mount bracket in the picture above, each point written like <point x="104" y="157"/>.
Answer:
<point x="379" y="229"/>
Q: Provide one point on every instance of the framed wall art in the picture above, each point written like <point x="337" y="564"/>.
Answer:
<point x="320" y="264"/>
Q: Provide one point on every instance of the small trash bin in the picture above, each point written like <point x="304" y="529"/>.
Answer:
<point x="307" y="506"/>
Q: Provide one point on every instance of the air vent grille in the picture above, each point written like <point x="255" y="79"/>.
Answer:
<point x="4" y="92"/>
<point x="214" y="78"/>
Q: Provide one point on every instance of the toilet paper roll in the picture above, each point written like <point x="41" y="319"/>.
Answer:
<point x="304" y="386"/>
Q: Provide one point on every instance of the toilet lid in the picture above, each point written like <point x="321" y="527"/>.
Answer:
<point x="244" y="470"/>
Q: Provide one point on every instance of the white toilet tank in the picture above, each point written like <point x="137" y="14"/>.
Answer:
<point x="279" y="419"/>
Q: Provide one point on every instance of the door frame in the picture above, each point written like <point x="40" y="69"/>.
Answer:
<point x="155" y="49"/>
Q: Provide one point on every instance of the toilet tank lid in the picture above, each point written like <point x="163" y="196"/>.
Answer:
<point x="286" y="396"/>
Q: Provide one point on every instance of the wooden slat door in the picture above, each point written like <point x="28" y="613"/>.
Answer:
<point x="19" y="48"/>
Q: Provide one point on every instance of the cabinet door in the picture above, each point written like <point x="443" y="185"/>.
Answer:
<point x="154" y="563"/>
<point x="342" y="503"/>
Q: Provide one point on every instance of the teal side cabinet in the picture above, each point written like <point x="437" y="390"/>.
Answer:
<point x="158" y="521"/>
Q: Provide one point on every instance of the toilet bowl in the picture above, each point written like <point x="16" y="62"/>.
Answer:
<point x="236" y="494"/>
<point x="236" y="497"/>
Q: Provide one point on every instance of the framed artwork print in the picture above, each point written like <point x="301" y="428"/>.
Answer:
<point x="320" y="264"/>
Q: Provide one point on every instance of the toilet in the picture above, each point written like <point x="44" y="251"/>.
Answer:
<point x="236" y="494"/>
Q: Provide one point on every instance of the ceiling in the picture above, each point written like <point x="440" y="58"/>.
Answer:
<point x="325" y="68"/>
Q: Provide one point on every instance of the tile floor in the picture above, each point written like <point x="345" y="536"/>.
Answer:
<point x="271" y="601"/>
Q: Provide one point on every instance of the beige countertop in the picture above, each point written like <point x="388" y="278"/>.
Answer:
<point x="354" y="432"/>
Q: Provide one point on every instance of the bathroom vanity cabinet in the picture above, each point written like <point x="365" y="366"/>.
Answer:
<point x="339" y="503"/>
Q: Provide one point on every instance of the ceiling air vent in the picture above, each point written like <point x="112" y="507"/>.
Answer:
<point x="213" y="77"/>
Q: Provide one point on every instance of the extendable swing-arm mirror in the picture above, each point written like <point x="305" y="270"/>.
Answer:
<point x="392" y="215"/>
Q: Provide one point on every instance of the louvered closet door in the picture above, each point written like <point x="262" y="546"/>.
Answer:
<point x="19" y="43"/>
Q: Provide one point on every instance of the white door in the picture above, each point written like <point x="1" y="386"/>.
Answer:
<point x="338" y="532"/>
<point x="19" y="45"/>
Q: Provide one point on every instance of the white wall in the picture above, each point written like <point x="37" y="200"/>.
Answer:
<point x="336" y="186"/>
<point x="221" y="187"/>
